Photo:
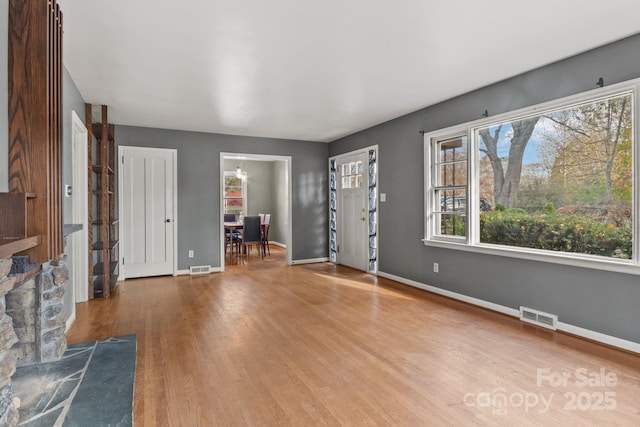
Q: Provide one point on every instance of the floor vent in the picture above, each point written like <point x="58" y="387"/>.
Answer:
<point x="199" y="269"/>
<point x="539" y="318"/>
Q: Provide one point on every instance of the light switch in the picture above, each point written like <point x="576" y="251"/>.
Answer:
<point x="383" y="197"/>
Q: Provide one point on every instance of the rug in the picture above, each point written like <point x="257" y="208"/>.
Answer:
<point x="91" y="385"/>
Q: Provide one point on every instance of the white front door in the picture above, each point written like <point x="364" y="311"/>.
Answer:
<point x="352" y="210"/>
<point x="147" y="197"/>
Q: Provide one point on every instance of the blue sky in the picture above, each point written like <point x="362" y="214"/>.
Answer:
<point x="531" y="151"/>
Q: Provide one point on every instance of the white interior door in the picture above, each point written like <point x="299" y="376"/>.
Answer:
<point x="352" y="210"/>
<point x="147" y="197"/>
<point x="80" y="269"/>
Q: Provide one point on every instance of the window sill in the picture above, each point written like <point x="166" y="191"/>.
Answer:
<point x="575" y="260"/>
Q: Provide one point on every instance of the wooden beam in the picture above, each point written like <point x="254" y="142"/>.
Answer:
<point x="88" y="111"/>
<point x="35" y="131"/>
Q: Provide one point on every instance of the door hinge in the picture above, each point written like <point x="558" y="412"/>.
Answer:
<point x="123" y="160"/>
<point x="338" y="249"/>
<point x="122" y="261"/>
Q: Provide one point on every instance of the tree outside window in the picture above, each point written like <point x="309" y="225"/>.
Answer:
<point x="561" y="181"/>
<point x="555" y="179"/>
<point x="234" y="194"/>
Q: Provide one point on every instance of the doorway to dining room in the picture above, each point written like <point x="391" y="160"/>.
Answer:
<point x="253" y="184"/>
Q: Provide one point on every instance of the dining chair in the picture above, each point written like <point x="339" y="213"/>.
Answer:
<point x="266" y="223"/>
<point x="228" y="233"/>
<point x="250" y="235"/>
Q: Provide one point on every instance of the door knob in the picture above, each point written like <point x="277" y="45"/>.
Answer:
<point x="167" y="220"/>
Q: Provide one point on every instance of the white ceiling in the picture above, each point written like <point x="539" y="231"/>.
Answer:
<point x="314" y="70"/>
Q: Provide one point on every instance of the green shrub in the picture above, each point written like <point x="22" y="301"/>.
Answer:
<point x="454" y="226"/>
<point x="517" y="211"/>
<point x="565" y="233"/>
<point x="500" y="207"/>
<point x="549" y="208"/>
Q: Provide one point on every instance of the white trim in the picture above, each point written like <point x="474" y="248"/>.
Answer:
<point x="288" y="182"/>
<point x="538" y="109"/>
<point x="460" y="297"/>
<point x="174" y="160"/>
<point x="70" y="320"/>
<point x="364" y="151"/>
<point x="309" y="261"/>
<point x="282" y="245"/>
<point x="599" y="337"/>
<point x="80" y="211"/>
<point x="471" y="242"/>
<point x="564" y="258"/>
<point x="430" y="204"/>
<point x="564" y="327"/>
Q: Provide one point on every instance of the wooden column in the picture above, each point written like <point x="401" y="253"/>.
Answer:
<point x="88" y="112"/>
<point x="35" y="113"/>
<point x="102" y="214"/>
<point x="104" y="203"/>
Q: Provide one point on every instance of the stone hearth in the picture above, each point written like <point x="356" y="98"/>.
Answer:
<point x="32" y="325"/>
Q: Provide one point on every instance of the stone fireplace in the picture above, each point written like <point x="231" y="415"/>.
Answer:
<point x="32" y="325"/>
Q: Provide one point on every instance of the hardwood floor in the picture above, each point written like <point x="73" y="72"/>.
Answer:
<point x="268" y="344"/>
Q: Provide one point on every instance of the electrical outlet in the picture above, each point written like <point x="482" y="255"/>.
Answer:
<point x="436" y="267"/>
<point x="191" y="254"/>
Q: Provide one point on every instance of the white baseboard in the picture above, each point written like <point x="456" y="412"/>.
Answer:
<point x="564" y="327"/>
<point x="70" y="321"/>
<point x="597" y="336"/>
<point x="460" y="297"/>
<point x="309" y="261"/>
<point x="282" y="245"/>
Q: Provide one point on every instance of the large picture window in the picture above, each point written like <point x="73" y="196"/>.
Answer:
<point x="554" y="180"/>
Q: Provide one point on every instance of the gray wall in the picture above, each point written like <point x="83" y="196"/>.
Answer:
<point x="259" y="187"/>
<point x="71" y="101"/>
<point x="4" y="98"/>
<point x="601" y="301"/>
<point x="199" y="187"/>
<point x="278" y="227"/>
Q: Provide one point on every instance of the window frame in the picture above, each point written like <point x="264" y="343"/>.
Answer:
<point x="471" y="241"/>
<point x="432" y="205"/>
<point x="244" y="193"/>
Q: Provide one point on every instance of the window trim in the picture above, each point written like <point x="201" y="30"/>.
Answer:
<point x="471" y="243"/>
<point x="431" y="205"/>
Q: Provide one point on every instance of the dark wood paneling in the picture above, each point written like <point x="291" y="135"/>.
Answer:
<point x="35" y="131"/>
<point x="13" y="215"/>
<point x="103" y="239"/>
<point x="88" y="110"/>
